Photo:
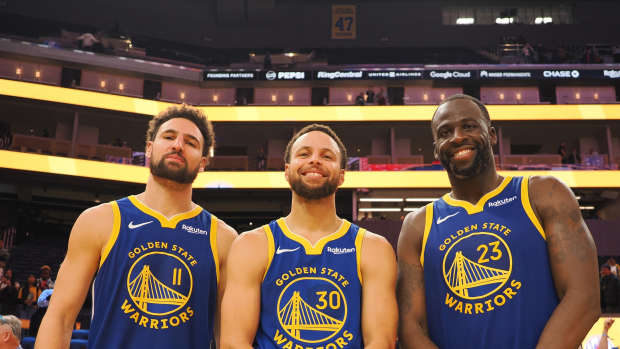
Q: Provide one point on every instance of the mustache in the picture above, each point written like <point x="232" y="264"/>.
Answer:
<point x="177" y="154"/>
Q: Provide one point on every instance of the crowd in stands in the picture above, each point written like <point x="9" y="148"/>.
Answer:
<point x="516" y="49"/>
<point x="372" y="97"/>
<point x="19" y="295"/>
<point x="610" y="286"/>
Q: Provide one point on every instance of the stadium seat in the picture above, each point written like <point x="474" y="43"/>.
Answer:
<point x="78" y="344"/>
<point x="79" y="334"/>
<point x="28" y="342"/>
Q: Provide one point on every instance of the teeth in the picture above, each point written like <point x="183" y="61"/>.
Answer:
<point x="462" y="152"/>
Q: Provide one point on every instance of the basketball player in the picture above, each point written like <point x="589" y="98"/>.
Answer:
<point x="499" y="262"/>
<point x="311" y="279"/>
<point x="157" y="255"/>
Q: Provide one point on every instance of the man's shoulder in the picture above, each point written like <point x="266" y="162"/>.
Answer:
<point x="546" y="185"/>
<point x="251" y="239"/>
<point x="415" y="222"/>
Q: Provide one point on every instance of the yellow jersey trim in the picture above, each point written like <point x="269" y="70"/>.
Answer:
<point x="163" y="220"/>
<point x="116" y="228"/>
<point x="213" y="241"/>
<point x="318" y="247"/>
<point x="427" y="229"/>
<point x="359" y="239"/>
<point x="271" y="248"/>
<point x="479" y="206"/>
<point x="527" y="206"/>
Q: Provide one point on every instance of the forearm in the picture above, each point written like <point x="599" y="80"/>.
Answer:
<point x="383" y="344"/>
<point x="54" y="333"/>
<point x="234" y="344"/>
<point x="570" y="321"/>
<point x="412" y="335"/>
<point x="603" y="342"/>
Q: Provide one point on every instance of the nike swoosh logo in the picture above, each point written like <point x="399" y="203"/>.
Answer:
<point x="134" y="226"/>
<point x="442" y="219"/>
<point x="283" y="250"/>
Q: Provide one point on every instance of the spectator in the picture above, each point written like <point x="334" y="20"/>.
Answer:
<point x="10" y="332"/>
<point x="8" y="293"/>
<point x="601" y="341"/>
<point x="359" y="100"/>
<point x="609" y="290"/>
<point x="5" y="135"/>
<point x="27" y="296"/>
<point x="45" y="280"/>
<point x="381" y="98"/>
<point x="613" y="265"/>
<point x="574" y="158"/>
<point x="267" y="61"/>
<point x="563" y="152"/>
<point x="529" y="54"/>
<point x="370" y="96"/>
<point x="261" y="161"/>
<point x="88" y="41"/>
<point x="591" y="55"/>
<point x="42" y="303"/>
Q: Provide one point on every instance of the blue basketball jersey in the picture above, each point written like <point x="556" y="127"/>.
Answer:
<point x="157" y="281"/>
<point x="486" y="271"/>
<point x="311" y="296"/>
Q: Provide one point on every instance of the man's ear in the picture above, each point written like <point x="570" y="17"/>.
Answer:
<point x="5" y="333"/>
<point x="286" y="166"/>
<point x="204" y="162"/>
<point x="493" y="135"/>
<point x="149" y="149"/>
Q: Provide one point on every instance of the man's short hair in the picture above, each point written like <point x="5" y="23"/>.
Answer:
<point x="479" y="103"/>
<point x="14" y="323"/>
<point x="321" y="128"/>
<point x="192" y="114"/>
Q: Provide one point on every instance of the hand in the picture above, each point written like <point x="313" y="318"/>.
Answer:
<point x="607" y="324"/>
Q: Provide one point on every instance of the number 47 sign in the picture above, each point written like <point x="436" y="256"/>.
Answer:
<point x="344" y="22"/>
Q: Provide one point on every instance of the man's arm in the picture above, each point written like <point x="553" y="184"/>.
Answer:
<point x="247" y="262"/>
<point x="88" y="236"/>
<point x="573" y="260"/>
<point x="379" y="309"/>
<point x="412" y="327"/>
<point x="225" y="237"/>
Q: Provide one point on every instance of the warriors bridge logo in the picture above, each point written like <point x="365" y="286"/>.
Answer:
<point x="318" y="320"/>
<point x="312" y="309"/>
<point x="159" y="286"/>
<point x="477" y="268"/>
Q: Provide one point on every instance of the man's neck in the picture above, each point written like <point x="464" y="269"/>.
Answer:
<point x="313" y="219"/>
<point x="167" y="197"/>
<point x="474" y="188"/>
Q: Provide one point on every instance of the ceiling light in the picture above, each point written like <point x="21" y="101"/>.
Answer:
<point x="387" y="209"/>
<point x="381" y="199"/>
<point x="421" y="199"/>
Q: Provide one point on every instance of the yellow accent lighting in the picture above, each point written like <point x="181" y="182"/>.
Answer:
<point x="30" y="162"/>
<point x="107" y="101"/>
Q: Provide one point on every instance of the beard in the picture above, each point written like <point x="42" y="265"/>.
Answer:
<point x="180" y="175"/>
<point x="313" y="193"/>
<point x="479" y="164"/>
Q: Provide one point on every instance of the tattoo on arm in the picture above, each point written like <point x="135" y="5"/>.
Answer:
<point x="569" y="233"/>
